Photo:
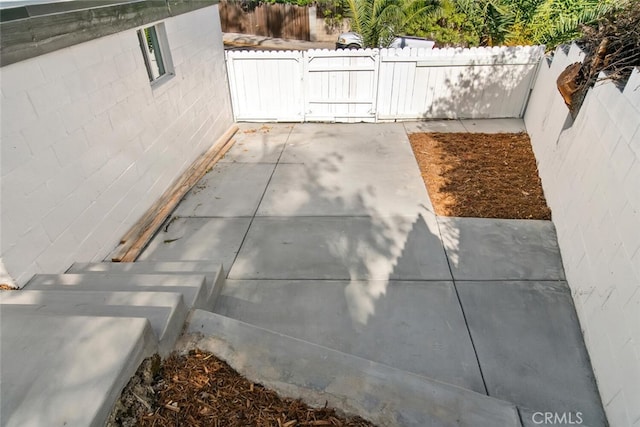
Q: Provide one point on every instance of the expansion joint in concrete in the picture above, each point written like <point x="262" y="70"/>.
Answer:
<point x="464" y="315"/>
<point x="260" y="202"/>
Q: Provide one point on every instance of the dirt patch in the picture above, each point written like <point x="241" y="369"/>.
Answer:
<point x="201" y="390"/>
<point x="5" y="287"/>
<point x="481" y="175"/>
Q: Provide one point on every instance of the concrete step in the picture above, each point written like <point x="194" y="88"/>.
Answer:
<point x="417" y="327"/>
<point x="165" y="311"/>
<point x="192" y="287"/>
<point x="67" y="370"/>
<point x="382" y="394"/>
<point x="214" y="274"/>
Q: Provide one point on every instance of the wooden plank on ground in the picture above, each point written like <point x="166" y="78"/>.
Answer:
<point x="135" y="240"/>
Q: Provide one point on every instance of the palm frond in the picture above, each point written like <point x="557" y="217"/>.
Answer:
<point x="568" y="27"/>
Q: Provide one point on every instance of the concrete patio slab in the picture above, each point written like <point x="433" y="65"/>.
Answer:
<point x="344" y="189"/>
<point x="494" y="125"/>
<point x="67" y="370"/>
<point x="413" y="326"/>
<point x="198" y="239"/>
<point x="403" y="248"/>
<point x="435" y="126"/>
<point x="530" y="346"/>
<point x="319" y="376"/>
<point x="344" y="252"/>
<point x="382" y="144"/>
<point x="227" y="190"/>
<point x="501" y="249"/>
<point x="258" y="143"/>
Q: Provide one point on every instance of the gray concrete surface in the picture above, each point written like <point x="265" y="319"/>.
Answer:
<point x="342" y="170"/>
<point x="165" y="311"/>
<point x="467" y="126"/>
<point x="197" y="239"/>
<point x="494" y="125"/>
<point x="258" y="143"/>
<point x="335" y="188"/>
<point x="435" y="126"/>
<point x="213" y="272"/>
<point x="227" y="190"/>
<point x="127" y="311"/>
<point x="413" y="326"/>
<point x="342" y="219"/>
<point x="492" y="249"/>
<point x="387" y="396"/>
<point x="67" y="370"/>
<point x="530" y="347"/>
<point x="191" y="287"/>
<point x="403" y="248"/>
<point x="378" y="144"/>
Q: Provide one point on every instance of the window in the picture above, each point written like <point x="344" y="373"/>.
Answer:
<point x="155" y="51"/>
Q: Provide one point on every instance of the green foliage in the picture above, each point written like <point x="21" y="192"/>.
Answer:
<point x="447" y="25"/>
<point x="553" y="22"/>
<point x="379" y="21"/>
<point x="333" y="11"/>
<point x="512" y="22"/>
<point x="464" y="22"/>
<point x="467" y="23"/>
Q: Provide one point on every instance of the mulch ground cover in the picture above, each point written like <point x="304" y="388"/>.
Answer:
<point x="199" y="389"/>
<point x="481" y="175"/>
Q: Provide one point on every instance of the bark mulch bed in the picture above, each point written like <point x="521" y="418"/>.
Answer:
<point x="199" y="389"/>
<point x="481" y="175"/>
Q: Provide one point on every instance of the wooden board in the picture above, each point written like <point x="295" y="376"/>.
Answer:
<point x="138" y="236"/>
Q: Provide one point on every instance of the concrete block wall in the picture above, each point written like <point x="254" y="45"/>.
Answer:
<point x="88" y="145"/>
<point x="590" y="171"/>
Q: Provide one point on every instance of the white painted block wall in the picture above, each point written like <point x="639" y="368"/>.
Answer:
<point x="88" y="145"/>
<point x="590" y="172"/>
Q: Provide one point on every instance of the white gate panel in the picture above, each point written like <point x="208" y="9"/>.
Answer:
<point x="266" y="86"/>
<point x="340" y="85"/>
<point x="386" y="84"/>
<point x="456" y="83"/>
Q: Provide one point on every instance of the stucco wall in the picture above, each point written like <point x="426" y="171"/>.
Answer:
<point x="88" y="145"/>
<point x="320" y="31"/>
<point x="590" y="171"/>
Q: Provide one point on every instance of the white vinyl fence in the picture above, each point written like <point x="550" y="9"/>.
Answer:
<point x="381" y="84"/>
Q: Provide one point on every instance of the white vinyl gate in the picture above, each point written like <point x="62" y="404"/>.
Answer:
<point x="381" y="84"/>
<point x="266" y="86"/>
<point x="341" y="87"/>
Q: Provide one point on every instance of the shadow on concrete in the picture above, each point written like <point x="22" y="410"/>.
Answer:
<point x="321" y="218"/>
<point x="345" y="254"/>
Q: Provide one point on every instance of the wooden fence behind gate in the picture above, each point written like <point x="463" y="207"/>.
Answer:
<point x="270" y="20"/>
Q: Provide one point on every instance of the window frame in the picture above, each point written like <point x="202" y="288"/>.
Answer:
<point x="161" y="54"/>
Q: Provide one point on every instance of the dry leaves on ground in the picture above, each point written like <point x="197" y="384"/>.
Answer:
<point x="201" y="390"/>
<point x="481" y="175"/>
